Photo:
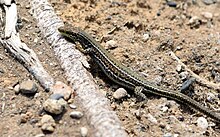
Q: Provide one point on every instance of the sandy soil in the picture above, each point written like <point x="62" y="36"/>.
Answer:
<point x="143" y="31"/>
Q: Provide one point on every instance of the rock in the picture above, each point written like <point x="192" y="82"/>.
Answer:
<point x="164" y="109"/>
<point x="120" y="93"/>
<point x="47" y="123"/>
<point x="151" y="118"/>
<point x="54" y="106"/>
<point x="211" y="97"/>
<point x="179" y="68"/>
<point x="146" y="36"/>
<point x="167" y="135"/>
<point x="184" y="75"/>
<point x="35" y="40"/>
<point x="158" y="79"/>
<point x="56" y="96"/>
<point x="209" y="2"/>
<point x="28" y="87"/>
<point x="83" y="131"/>
<point x="62" y="89"/>
<point x="202" y="123"/>
<point x="73" y="106"/>
<point x="171" y="3"/>
<point x="207" y="15"/>
<point x="194" y="21"/>
<point x="25" y="117"/>
<point x="111" y="44"/>
<point x="76" y="114"/>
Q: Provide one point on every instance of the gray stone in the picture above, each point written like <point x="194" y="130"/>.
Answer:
<point x="28" y="87"/>
<point x="209" y="2"/>
<point x="120" y="93"/>
<point x="56" y="96"/>
<point x="76" y="114"/>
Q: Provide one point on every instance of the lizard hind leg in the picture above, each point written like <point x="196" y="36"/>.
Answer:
<point x="138" y="91"/>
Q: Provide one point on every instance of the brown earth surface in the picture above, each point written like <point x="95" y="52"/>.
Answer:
<point x="144" y="32"/>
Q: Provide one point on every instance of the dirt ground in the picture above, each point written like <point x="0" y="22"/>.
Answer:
<point x="143" y="32"/>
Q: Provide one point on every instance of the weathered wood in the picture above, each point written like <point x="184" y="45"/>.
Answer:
<point x="96" y="106"/>
<point x="20" y="50"/>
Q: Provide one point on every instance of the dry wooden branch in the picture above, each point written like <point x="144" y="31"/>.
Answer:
<point x="21" y="51"/>
<point x="96" y="106"/>
<point x="198" y="78"/>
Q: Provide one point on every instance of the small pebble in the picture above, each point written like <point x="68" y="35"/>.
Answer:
<point x="151" y="118"/>
<point x="167" y="135"/>
<point x="53" y="106"/>
<point x="35" y="40"/>
<point x="184" y="75"/>
<point x="158" y="79"/>
<point x="76" y="114"/>
<point x="111" y="44"/>
<point x="209" y="2"/>
<point x="28" y="87"/>
<point x="47" y="123"/>
<point x="210" y="97"/>
<point x="171" y="4"/>
<point x="37" y="95"/>
<point x="24" y="118"/>
<point x="137" y="114"/>
<point x="207" y="15"/>
<point x="146" y="36"/>
<point x="164" y="109"/>
<point x="73" y="106"/>
<point x="120" y="93"/>
<point x="181" y="118"/>
<point x="83" y="131"/>
<point x="179" y="68"/>
<point x="56" y="96"/>
<point x="194" y="21"/>
<point x="202" y="123"/>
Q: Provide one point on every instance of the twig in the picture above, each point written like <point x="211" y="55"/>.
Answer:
<point x="198" y="78"/>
